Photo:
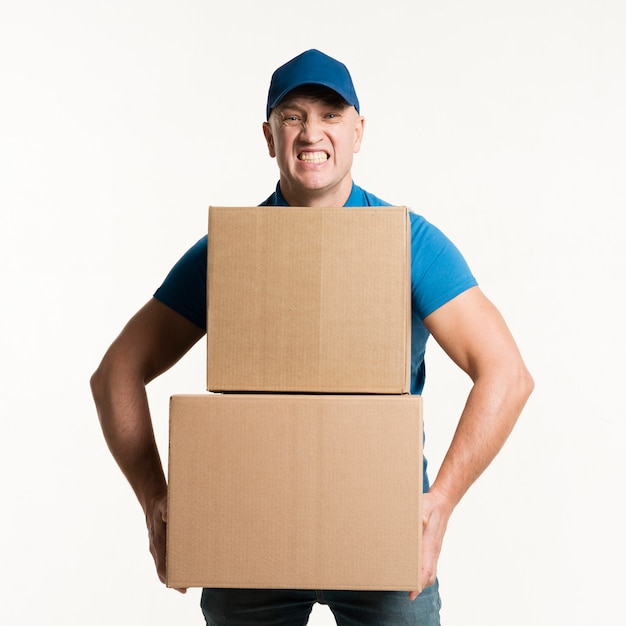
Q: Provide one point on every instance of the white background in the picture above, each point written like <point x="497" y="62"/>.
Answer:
<point x="502" y="122"/>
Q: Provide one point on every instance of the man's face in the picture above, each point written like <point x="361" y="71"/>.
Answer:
<point x="314" y="143"/>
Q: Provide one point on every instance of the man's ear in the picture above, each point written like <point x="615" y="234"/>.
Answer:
<point x="269" y="138"/>
<point x="359" y="127"/>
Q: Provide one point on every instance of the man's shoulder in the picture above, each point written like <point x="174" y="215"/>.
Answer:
<point x="361" y="197"/>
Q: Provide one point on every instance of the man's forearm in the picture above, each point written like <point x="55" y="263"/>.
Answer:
<point x="491" y="411"/>
<point x="127" y="428"/>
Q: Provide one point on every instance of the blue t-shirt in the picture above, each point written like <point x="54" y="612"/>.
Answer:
<point x="438" y="274"/>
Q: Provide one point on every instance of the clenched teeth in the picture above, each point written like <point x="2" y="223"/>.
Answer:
<point x="313" y="157"/>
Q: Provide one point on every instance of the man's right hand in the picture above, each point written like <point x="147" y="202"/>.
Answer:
<point x="156" y="521"/>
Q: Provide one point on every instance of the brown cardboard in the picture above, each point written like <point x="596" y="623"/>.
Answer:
<point x="308" y="300"/>
<point x="295" y="491"/>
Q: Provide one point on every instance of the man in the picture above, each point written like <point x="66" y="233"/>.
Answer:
<point x="313" y="129"/>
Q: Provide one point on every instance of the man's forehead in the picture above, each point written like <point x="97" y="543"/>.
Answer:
<point x="303" y="101"/>
<point x="307" y="95"/>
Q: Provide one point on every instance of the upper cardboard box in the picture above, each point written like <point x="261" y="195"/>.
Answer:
<point x="308" y="300"/>
<point x="295" y="491"/>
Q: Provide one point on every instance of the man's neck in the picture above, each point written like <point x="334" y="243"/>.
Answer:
<point x="317" y="198"/>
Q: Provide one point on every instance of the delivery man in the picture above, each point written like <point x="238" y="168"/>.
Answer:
<point x="313" y="128"/>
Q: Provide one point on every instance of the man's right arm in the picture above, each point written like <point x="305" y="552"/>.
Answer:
<point x="153" y="340"/>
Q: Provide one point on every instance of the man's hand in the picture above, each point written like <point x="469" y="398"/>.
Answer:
<point x="156" y="521"/>
<point x="435" y="516"/>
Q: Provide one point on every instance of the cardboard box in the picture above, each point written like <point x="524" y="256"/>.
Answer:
<point x="295" y="491"/>
<point x="309" y="300"/>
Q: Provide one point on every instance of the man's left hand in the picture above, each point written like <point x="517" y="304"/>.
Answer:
<point x="435" y="516"/>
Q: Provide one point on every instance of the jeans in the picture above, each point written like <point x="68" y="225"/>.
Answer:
<point x="276" y="607"/>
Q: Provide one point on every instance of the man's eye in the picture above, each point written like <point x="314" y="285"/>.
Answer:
<point x="291" y="119"/>
<point x="332" y="116"/>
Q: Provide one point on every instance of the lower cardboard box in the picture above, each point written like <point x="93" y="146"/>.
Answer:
<point x="283" y="491"/>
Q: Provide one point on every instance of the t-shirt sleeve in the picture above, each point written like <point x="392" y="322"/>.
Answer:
<point x="184" y="288"/>
<point x="439" y="272"/>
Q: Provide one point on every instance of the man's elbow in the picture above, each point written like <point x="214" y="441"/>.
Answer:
<point x="97" y="384"/>
<point x="105" y="377"/>
<point x="523" y="384"/>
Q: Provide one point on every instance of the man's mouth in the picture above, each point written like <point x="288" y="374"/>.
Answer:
<point x="313" y="157"/>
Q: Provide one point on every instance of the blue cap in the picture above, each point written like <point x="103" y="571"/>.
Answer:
<point x="311" y="68"/>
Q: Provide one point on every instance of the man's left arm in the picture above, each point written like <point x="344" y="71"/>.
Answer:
<point x="473" y="333"/>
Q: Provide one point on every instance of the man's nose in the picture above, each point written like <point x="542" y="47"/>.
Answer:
<point x="311" y="130"/>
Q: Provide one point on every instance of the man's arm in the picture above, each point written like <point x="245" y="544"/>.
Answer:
<point x="152" y="341"/>
<point x="473" y="333"/>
